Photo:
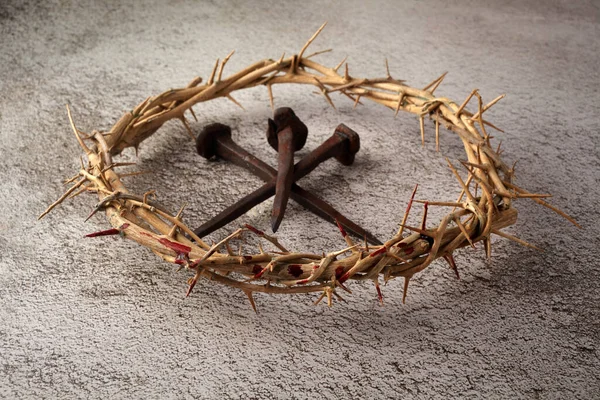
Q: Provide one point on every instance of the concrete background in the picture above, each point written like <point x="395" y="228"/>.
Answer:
<point x="98" y="318"/>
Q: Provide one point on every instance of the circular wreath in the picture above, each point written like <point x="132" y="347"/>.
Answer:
<point x="474" y="217"/>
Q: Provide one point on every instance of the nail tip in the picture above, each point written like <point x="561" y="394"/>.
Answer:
<point x="275" y="222"/>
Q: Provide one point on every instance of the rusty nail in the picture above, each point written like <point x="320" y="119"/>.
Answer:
<point x="286" y="134"/>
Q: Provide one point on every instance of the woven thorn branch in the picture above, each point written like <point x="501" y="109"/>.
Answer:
<point x="473" y="218"/>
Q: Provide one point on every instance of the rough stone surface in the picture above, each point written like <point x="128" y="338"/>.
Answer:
<point x="99" y="318"/>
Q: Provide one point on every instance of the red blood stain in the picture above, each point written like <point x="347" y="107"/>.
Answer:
<point x="107" y="232"/>
<point x="339" y="271"/>
<point x="260" y="273"/>
<point x="341" y="228"/>
<point x="181" y="259"/>
<point x="379" y="295"/>
<point x="253" y="229"/>
<point x="409" y="250"/>
<point x="302" y="282"/>
<point x="177" y="247"/>
<point x="247" y="257"/>
<point x="256" y="269"/>
<point x="295" y="270"/>
<point x="378" y="252"/>
<point x="124" y="226"/>
<point x="344" y="277"/>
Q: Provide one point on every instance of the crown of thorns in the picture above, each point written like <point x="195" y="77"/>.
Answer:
<point x="473" y="218"/>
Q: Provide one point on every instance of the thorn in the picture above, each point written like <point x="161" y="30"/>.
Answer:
<point x="348" y="96"/>
<point x="487" y="107"/>
<point x="488" y="248"/>
<point x="229" y="249"/>
<point x="422" y="126"/>
<point x="222" y="66"/>
<point x="347" y="238"/>
<point x="480" y="119"/>
<point x="462" y="183"/>
<point x="324" y="92"/>
<point x="337" y="67"/>
<point x="356" y="102"/>
<point x="340" y="298"/>
<point x="408" y="207"/>
<point x="400" y="101"/>
<point x="346" y="74"/>
<point x="437" y="130"/>
<point x="84" y="189"/>
<point x="187" y="127"/>
<point x="340" y="284"/>
<point x="545" y="204"/>
<point x="234" y="101"/>
<point x="492" y="126"/>
<point x="387" y="69"/>
<point x="531" y="196"/>
<point x="192" y="281"/>
<point x="107" y="232"/>
<point x="463" y="230"/>
<point x="212" y="74"/>
<point x="515" y="239"/>
<point x="271" y="100"/>
<point x="313" y="37"/>
<point x="320" y="298"/>
<point x="281" y="58"/>
<point x="483" y="167"/>
<point x="418" y="230"/>
<point x="450" y="259"/>
<point x="424" y="220"/>
<point x="406" y="281"/>
<point x="193" y="114"/>
<point x="64" y="196"/>
<point x="251" y="299"/>
<point x="341" y="228"/>
<point x="316" y="53"/>
<point x="440" y="203"/>
<point x="76" y="132"/>
<point x="436" y="82"/>
<point x="379" y="294"/>
<point x="464" y="104"/>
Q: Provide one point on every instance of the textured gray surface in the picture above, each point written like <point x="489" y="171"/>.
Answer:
<point x="103" y="317"/>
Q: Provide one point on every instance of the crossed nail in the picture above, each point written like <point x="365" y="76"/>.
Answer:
<point x="287" y="134"/>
